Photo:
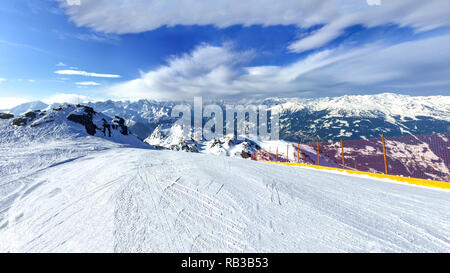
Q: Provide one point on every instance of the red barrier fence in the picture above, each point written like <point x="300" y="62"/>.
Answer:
<point x="426" y="156"/>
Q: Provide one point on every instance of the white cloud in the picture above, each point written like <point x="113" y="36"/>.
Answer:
<point x="2" y="80"/>
<point x="68" y="98"/>
<point x="208" y="69"/>
<point x="84" y="73"/>
<point x="10" y="102"/>
<point x="87" y="83"/>
<point x="213" y="71"/>
<point x="73" y="2"/>
<point x="124" y="16"/>
<point x="373" y="2"/>
<point x="61" y="64"/>
<point x="420" y="15"/>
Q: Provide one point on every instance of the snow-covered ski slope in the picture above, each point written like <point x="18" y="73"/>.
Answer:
<point x="123" y="199"/>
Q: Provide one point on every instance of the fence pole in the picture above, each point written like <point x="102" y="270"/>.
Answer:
<point x="276" y="158"/>
<point x="287" y="152"/>
<point x="342" y="152"/>
<point x="318" y="156"/>
<point x="384" y="155"/>
<point x="298" y="153"/>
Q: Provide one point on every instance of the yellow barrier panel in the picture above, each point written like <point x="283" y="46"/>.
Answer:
<point x="409" y="180"/>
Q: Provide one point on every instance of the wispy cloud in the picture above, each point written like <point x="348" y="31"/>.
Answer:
<point x="419" y="15"/>
<point x="8" y="43"/>
<point x="88" y="36"/>
<point x="84" y="73"/>
<point x="2" y="80"/>
<point x="61" y="64"/>
<point x="213" y="71"/>
<point x="87" y="83"/>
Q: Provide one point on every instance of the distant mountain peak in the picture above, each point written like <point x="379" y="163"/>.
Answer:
<point x="27" y="107"/>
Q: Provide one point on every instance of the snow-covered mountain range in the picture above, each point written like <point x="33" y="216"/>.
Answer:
<point x="307" y="120"/>
<point x="358" y="117"/>
<point x="304" y="121"/>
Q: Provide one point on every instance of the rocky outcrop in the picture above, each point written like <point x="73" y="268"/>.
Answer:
<point x="106" y="126"/>
<point x="119" y="122"/>
<point x="20" y="121"/>
<point x="84" y="120"/>
<point x="86" y="117"/>
<point x="185" y="146"/>
<point x="6" y="116"/>
<point x="174" y="137"/>
<point x="23" y="120"/>
<point x="241" y="148"/>
<point x="31" y="115"/>
<point x="245" y="155"/>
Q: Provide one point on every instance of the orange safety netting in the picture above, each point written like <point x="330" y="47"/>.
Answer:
<point x="426" y="156"/>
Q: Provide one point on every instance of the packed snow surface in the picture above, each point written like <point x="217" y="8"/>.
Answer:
<point x="97" y="196"/>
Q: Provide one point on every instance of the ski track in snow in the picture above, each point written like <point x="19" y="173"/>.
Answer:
<point x="138" y="200"/>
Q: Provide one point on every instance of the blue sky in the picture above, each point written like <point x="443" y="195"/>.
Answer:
<point x="70" y="50"/>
